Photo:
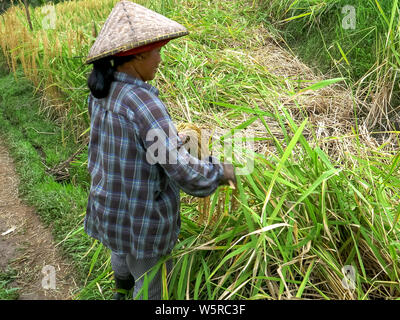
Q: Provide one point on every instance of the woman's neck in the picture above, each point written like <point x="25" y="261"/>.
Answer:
<point x="129" y="69"/>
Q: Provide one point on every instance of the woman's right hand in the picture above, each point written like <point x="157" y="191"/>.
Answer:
<point x="229" y="177"/>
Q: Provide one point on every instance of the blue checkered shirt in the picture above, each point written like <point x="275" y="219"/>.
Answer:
<point x="134" y="200"/>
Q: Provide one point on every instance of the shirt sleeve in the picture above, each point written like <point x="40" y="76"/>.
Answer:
<point x="159" y="136"/>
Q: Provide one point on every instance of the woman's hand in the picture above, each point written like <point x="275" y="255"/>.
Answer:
<point x="229" y="177"/>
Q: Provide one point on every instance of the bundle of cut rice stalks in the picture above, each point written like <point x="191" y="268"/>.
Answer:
<point x="196" y="143"/>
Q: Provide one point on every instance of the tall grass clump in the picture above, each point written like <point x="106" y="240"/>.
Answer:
<point x="366" y="51"/>
<point x="300" y="219"/>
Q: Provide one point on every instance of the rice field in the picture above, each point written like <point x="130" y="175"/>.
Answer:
<point x="324" y="193"/>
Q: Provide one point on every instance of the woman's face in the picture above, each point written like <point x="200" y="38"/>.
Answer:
<point x="151" y="61"/>
<point x="144" y="66"/>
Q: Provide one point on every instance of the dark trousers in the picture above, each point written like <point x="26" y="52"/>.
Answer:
<point x="125" y="264"/>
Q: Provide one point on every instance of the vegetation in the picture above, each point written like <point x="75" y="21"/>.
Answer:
<point x="325" y="189"/>
<point x="36" y="143"/>
<point x="7" y="291"/>
<point x="366" y="51"/>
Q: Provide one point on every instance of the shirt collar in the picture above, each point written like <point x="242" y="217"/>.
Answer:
<point x="124" y="77"/>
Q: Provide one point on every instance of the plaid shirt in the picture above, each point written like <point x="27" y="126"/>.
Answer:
<point x="134" y="203"/>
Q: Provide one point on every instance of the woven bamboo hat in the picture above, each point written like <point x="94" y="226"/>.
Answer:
<point x="130" y="26"/>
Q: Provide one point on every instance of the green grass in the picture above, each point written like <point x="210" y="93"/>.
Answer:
<point x="318" y="204"/>
<point x="59" y="205"/>
<point x="325" y="34"/>
<point x="368" y="55"/>
<point x="8" y="292"/>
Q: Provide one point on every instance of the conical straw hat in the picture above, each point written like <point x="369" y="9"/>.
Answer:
<point x="129" y="26"/>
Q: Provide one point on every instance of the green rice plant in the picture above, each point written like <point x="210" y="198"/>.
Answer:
<point x="311" y="219"/>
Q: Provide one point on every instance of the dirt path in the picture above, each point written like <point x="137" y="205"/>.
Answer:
<point x="28" y="246"/>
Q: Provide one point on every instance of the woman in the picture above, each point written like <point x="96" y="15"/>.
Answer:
<point x="134" y="201"/>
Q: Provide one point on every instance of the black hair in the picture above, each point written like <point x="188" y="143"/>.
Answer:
<point x="102" y="75"/>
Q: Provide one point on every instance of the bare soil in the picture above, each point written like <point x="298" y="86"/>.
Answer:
<point x="30" y="246"/>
